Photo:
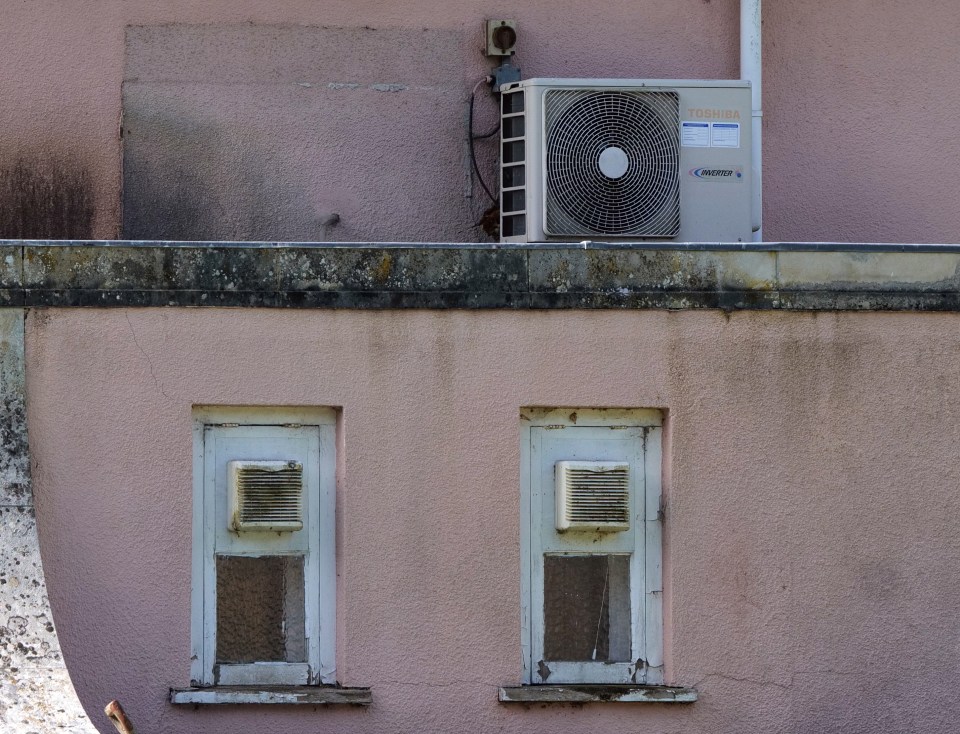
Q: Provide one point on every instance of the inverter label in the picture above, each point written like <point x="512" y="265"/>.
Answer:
<point x="723" y="174"/>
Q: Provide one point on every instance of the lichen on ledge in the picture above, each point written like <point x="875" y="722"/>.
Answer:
<point x="590" y="275"/>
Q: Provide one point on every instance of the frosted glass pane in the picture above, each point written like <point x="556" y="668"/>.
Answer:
<point x="586" y="608"/>
<point x="260" y="612"/>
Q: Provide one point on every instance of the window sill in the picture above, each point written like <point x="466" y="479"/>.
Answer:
<point x="285" y="695"/>
<point x="596" y="694"/>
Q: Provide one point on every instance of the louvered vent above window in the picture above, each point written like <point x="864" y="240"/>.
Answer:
<point x="265" y="495"/>
<point x="593" y="495"/>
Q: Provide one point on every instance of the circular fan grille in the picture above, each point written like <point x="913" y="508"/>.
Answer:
<point x="613" y="162"/>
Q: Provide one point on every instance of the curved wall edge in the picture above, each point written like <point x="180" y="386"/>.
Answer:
<point x="36" y="693"/>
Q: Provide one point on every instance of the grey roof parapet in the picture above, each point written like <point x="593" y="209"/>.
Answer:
<point x="592" y="275"/>
<point x="584" y="245"/>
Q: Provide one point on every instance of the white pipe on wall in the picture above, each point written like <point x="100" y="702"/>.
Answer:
<point x="751" y="70"/>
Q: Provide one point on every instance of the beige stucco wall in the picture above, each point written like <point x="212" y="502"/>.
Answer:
<point x="811" y="469"/>
<point x="858" y="143"/>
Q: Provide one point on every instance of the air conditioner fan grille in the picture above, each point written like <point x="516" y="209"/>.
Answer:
<point x="640" y="193"/>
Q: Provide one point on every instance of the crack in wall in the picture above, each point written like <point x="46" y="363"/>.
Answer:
<point x="793" y="675"/>
<point x="156" y="380"/>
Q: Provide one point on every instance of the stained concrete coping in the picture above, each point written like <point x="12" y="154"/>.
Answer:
<point x="588" y="275"/>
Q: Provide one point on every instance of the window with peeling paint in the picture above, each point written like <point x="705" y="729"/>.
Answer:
<point x="263" y="557"/>
<point x="592" y="546"/>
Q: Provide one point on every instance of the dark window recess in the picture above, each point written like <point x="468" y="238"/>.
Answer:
<point x="513" y="127"/>
<point x="513" y="226"/>
<point x="586" y="608"/>
<point x="513" y="152"/>
<point x="513" y="102"/>
<point x="513" y="201"/>
<point x="513" y="176"/>
<point x="260" y="609"/>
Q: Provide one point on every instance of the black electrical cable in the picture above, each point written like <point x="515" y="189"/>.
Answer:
<point x="473" y="139"/>
<point x="489" y="134"/>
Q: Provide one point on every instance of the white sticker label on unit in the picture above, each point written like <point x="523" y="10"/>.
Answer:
<point x="724" y="134"/>
<point x="710" y="134"/>
<point x="695" y="134"/>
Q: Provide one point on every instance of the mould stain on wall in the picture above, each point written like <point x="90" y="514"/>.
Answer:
<point x="45" y="197"/>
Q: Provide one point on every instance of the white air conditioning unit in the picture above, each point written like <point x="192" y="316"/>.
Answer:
<point x="619" y="159"/>
<point x="265" y="495"/>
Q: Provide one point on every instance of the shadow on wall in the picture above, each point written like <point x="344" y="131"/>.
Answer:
<point x="45" y="198"/>
<point x="297" y="134"/>
<point x="186" y="180"/>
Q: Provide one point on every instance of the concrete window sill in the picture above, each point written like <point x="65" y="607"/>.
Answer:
<point x="596" y="694"/>
<point x="283" y="695"/>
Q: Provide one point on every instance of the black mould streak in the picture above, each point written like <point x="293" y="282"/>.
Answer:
<point x="45" y="198"/>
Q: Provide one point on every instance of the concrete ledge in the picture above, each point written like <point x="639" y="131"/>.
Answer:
<point x="778" y="276"/>
<point x="286" y="695"/>
<point x="596" y="694"/>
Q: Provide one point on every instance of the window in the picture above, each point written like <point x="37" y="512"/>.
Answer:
<point x="263" y="557"/>
<point x="591" y="526"/>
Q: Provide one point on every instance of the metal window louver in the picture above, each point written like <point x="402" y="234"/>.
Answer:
<point x="612" y="162"/>
<point x="592" y="495"/>
<point x="265" y="495"/>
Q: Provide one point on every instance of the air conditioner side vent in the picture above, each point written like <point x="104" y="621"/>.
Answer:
<point x="592" y="496"/>
<point x="265" y="495"/>
<point x="513" y="163"/>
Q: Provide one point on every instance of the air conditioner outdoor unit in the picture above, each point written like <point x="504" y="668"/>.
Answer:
<point x="625" y="159"/>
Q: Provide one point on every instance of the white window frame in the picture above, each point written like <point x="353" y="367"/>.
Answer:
<point x="646" y="577"/>
<point x="319" y="561"/>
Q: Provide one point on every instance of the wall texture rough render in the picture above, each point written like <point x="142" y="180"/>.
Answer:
<point x="36" y="694"/>
<point x="853" y="99"/>
<point x="811" y="548"/>
<point x="271" y="132"/>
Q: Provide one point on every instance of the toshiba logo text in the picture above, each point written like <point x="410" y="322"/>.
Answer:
<point x="704" y="113"/>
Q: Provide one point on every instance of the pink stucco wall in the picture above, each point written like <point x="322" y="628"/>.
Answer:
<point x="811" y="547"/>
<point x="859" y="140"/>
